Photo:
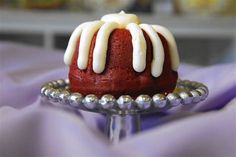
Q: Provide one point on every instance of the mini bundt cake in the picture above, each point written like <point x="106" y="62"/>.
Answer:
<point x="117" y="55"/>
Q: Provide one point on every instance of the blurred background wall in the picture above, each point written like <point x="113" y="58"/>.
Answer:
<point x="205" y="30"/>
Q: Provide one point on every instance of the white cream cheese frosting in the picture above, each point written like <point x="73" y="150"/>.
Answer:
<point x="100" y="49"/>
<point x="139" y="47"/>
<point x="131" y="22"/>
<point x="174" y="54"/>
<point x="122" y="18"/>
<point x="85" y="42"/>
<point x="158" y="50"/>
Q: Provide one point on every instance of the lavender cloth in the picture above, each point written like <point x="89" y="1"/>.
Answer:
<point x="31" y="127"/>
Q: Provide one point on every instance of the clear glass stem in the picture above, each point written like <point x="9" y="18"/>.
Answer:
<point x="122" y="126"/>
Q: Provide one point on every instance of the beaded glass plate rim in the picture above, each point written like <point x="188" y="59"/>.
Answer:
<point x="186" y="92"/>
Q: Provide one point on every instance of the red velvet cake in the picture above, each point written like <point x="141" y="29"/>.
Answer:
<point x="120" y="56"/>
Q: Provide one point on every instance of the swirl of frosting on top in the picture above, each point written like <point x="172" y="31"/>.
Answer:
<point x="131" y="22"/>
<point x="122" y="19"/>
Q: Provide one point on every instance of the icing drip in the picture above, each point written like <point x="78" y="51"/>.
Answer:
<point x="172" y="45"/>
<point x="158" y="50"/>
<point x="104" y="27"/>
<point x="139" y="47"/>
<point x="72" y="43"/>
<point x="85" y="42"/>
<point x="100" y="49"/>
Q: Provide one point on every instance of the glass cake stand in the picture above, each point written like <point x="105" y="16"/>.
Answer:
<point x="123" y="114"/>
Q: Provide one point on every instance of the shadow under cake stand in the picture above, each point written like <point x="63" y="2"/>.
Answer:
<point x="123" y="114"/>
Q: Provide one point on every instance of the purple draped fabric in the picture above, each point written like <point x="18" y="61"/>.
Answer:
<point x="32" y="127"/>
